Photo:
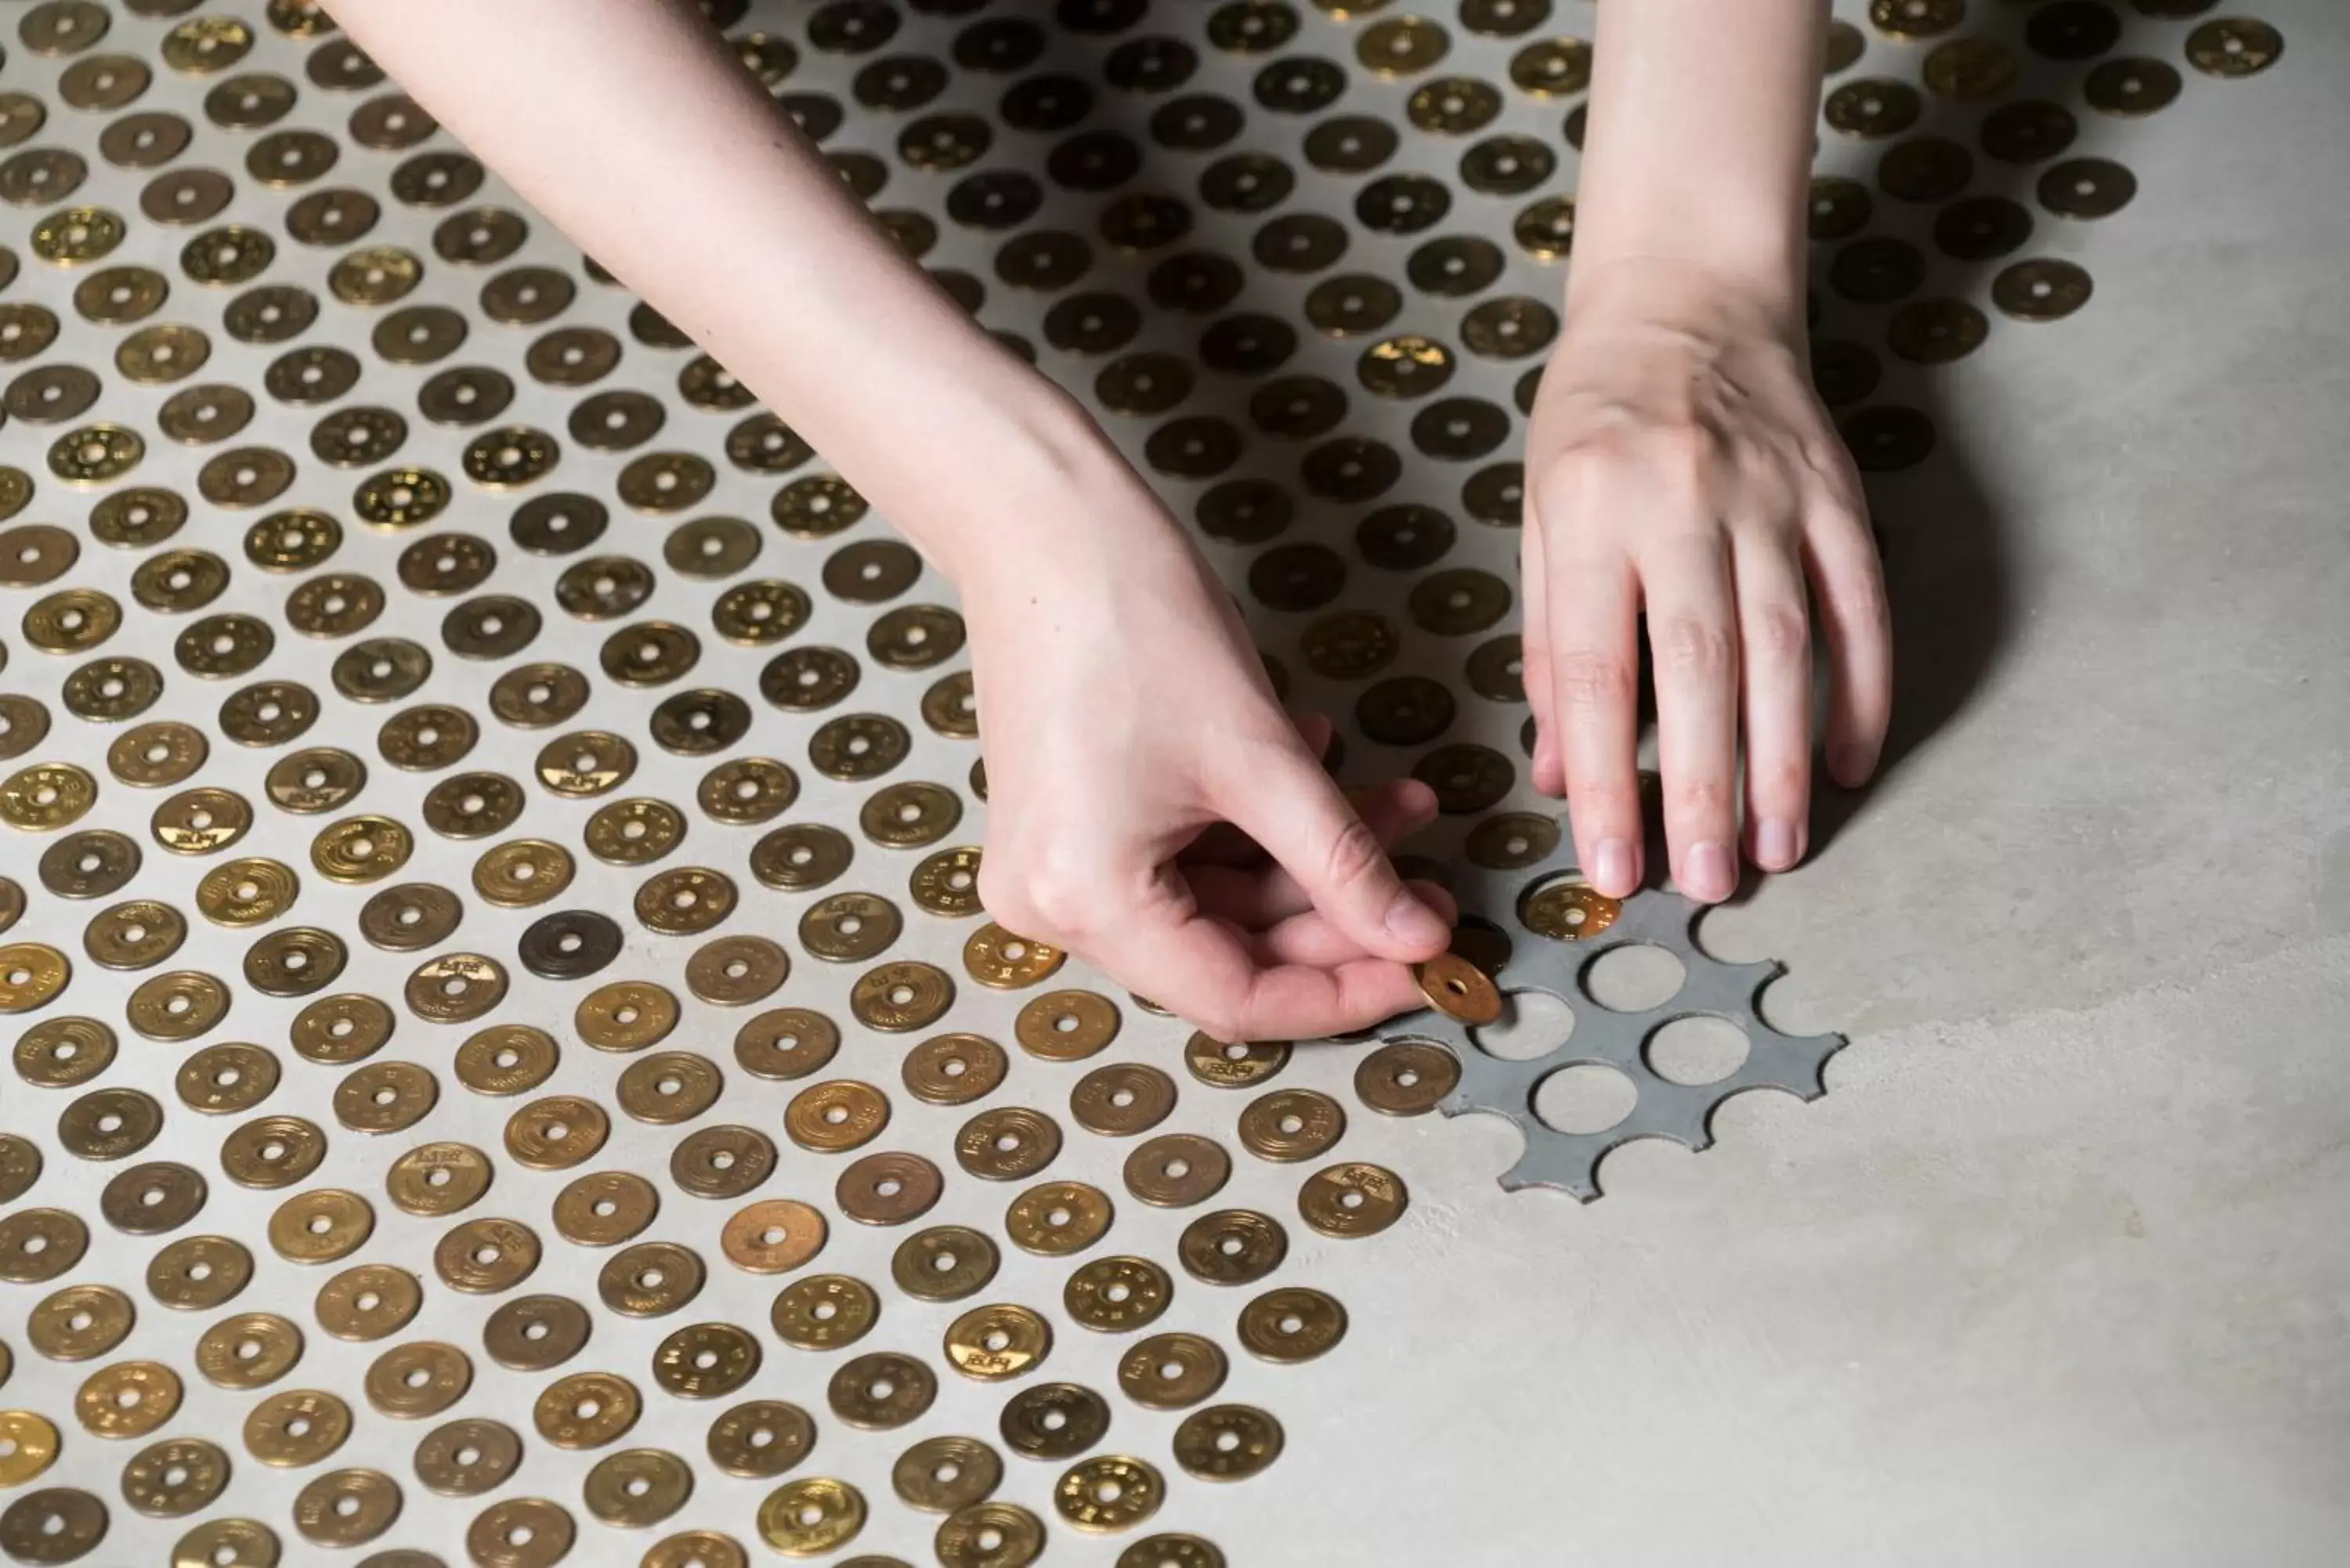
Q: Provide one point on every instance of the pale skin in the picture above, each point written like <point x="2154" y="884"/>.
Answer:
<point x="1151" y="805"/>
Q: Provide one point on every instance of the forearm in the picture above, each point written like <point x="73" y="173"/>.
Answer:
<point x="629" y="125"/>
<point x="1699" y="143"/>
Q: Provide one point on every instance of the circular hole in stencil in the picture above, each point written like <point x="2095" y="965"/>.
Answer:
<point x="1533" y="1023"/>
<point x="1634" y="978"/>
<point x="1587" y="1098"/>
<point x="1701" y="1050"/>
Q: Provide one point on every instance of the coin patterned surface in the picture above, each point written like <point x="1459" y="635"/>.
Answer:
<point x="535" y="803"/>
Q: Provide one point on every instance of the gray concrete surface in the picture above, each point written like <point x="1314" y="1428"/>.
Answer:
<point x="2056" y="1273"/>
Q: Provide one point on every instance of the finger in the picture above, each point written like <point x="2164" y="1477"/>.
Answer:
<point x="1257" y="896"/>
<point x="1848" y="583"/>
<point x="1692" y="635"/>
<point x="1548" y="767"/>
<point x="1288" y="803"/>
<point x="1199" y="968"/>
<point x="1313" y="938"/>
<point x="1775" y="667"/>
<point x="1315" y="729"/>
<point x="1591" y="684"/>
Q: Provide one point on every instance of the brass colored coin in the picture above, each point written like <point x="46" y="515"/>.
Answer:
<point x="888" y="1188"/>
<point x="1007" y="1143"/>
<point x="314" y="780"/>
<point x="156" y="755"/>
<point x="409" y="915"/>
<point x="1511" y="840"/>
<point x="1227" y="1442"/>
<point x="55" y="1524"/>
<point x="557" y="1132"/>
<point x="2087" y="188"/>
<point x="785" y="1042"/>
<point x="2234" y="47"/>
<point x="990" y="1535"/>
<point x="685" y="900"/>
<point x="882" y="1390"/>
<point x="944" y="1263"/>
<point x="38" y="1244"/>
<point x="824" y="1311"/>
<point x="46" y="795"/>
<point x="1458" y="988"/>
<point x="895" y="998"/>
<point x="1067" y="1025"/>
<point x="706" y="1360"/>
<point x="250" y="1350"/>
<point x="1232" y="1247"/>
<point x="626" y="1015"/>
<point x="361" y="848"/>
<point x="320" y="1226"/>
<point x="950" y="708"/>
<point x="422" y="1377"/>
<point x="438" y="1178"/>
<point x="669" y="1088"/>
<point x="523" y="872"/>
<point x="79" y="1322"/>
<point x="520" y="1533"/>
<point x="1290" y="1125"/>
<point x="1171" y="1371"/>
<point x="585" y="1409"/>
<point x="341" y="1030"/>
<point x="346" y="1508"/>
<point x="467" y="1458"/>
<point x="2042" y="290"/>
<point x="605" y="1208"/>
<point x="127" y="1399"/>
<point x="839" y="1115"/>
<point x="696" y="1549"/>
<point x="761" y="1440"/>
<point x="940" y="1475"/>
<point x="152" y="1198"/>
<point x="1353" y="1198"/>
<point x="1235" y="1065"/>
<point x="954" y="1069"/>
<point x="1936" y="331"/>
<point x="800" y="858"/>
<point x="1175" y="1170"/>
<point x="1054" y="1420"/>
<point x="455" y="988"/>
<point x="178" y="1005"/>
<point x="1122" y="1098"/>
<point x="1292" y="1323"/>
<point x="61" y="1052"/>
<point x="771" y="1237"/>
<point x="722" y="1161"/>
<point x="1107" y="1492"/>
<point x="1407" y="1078"/>
<point x="506" y="1059"/>
<point x="991" y="1344"/>
<point x="811" y="1516"/>
<point x="1056" y="1219"/>
<point x="849" y="927"/>
<point x="198" y="1272"/>
<point x="107" y="1123"/>
<point x="1116" y="1294"/>
<point x="634" y="832"/>
<point x="637" y="1487"/>
<point x="1567" y="910"/>
<point x="31" y="1446"/>
<point x="1875" y="107"/>
<point x="532" y="1333"/>
<point x="1003" y="961"/>
<point x="368" y="1302"/>
<point x="2131" y="87"/>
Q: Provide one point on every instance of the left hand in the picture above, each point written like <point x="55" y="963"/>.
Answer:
<point x="1680" y="463"/>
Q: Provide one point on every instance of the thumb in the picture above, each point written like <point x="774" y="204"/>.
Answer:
<point x="1290" y="806"/>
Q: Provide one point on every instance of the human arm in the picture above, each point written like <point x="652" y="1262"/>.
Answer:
<point x="1679" y="464"/>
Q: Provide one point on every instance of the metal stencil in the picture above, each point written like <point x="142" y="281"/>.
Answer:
<point x="506" y="1062"/>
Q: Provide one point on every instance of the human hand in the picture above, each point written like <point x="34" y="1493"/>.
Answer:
<point x="1678" y="462"/>
<point x="1151" y="807"/>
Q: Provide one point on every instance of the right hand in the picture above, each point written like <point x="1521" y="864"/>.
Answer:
<point x="1129" y="731"/>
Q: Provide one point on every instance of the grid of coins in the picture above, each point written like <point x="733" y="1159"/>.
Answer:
<point x="489" y="934"/>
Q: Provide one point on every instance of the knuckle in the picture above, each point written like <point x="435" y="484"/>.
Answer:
<point x="1004" y="895"/>
<point x="1354" y="854"/>
<point x="1779" y="632"/>
<point x="1585" y="681"/>
<point x="1062" y="904"/>
<point x="1697" y="800"/>
<point x="1693" y="646"/>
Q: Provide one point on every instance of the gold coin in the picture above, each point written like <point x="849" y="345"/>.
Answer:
<point x="61" y="1052"/>
<point x="532" y="1333"/>
<point x="786" y="1042"/>
<point x="1292" y="1323"/>
<point x="771" y="1237"/>
<point x="882" y="1390"/>
<point x="1122" y="1098"/>
<point x="341" y="1030"/>
<point x="888" y="1188"/>
<point x="991" y="1344"/>
<point x="811" y="1516"/>
<point x="947" y="884"/>
<point x="1458" y="988"/>
<point x="1107" y="1492"/>
<point x="1007" y="1143"/>
<point x="346" y="1508"/>
<point x="800" y="856"/>
<point x="1067" y="1025"/>
<point x="1232" y="1247"/>
<point x="197" y="1272"/>
<point x="944" y="1263"/>
<point x="696" y="1549"/>
<point x="1002" y="960"/>
<point x="369" y="1302"/>
<point x="1116" y="1294"/>
<point x="1174" y="1171"/>
<point x="127" y="1399"/>
<point x="954" y="1069"/>
<point x="669" y="1088"/>
<point x="760" y="1439"/>
<point x="939" y="1475"/>
<point x="520" y="1533"/>
<point x="1056" y="1219"/>
<point x="626" y="1015"/>
<point x="849" y="927"/>
<point x="1234" y="1064"/>
<point x="2042" y="290"/>
<point x="438" y="1178"/>
<point x="39" y="1244"/>
<point x="320" y="1225"/>
<point x="1226" y="1442"/>
<point x="1567" y="910"/>
<point x="523" y="872"/>
<point x="483" y="1257"/>
<point x="637" y="1487"/>
<point x="28" y="1446"/>
<point x="705" y="1360"/>
<point x="585" y="1409"/>
<point x="556" y="1132"/>
<point x="79" y="1322"/>
<point x="990" y="1535"/>
<point x="841" y="1115"/>
<point x="1352" y="1198"/>
<point x="422" y="1377"/>
<point x="1054" y="1420"/>
<point x="2234" y="47"/>
<point x="250" y="1350"/>
<point x="824" y="1311"/>
<point x="1407" y="1078"/>
<point x="895" y="998"/>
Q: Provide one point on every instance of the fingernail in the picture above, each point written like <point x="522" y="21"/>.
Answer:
<point x="1710" y="872"/>
<point x="1775" y="843"/>
<point x="1612" y="869"/>
<point x="1852" y="764"/>
<point x="1409" y="921"/>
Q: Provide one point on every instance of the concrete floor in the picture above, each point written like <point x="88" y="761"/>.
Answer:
<point x="2055" y="1273"/>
